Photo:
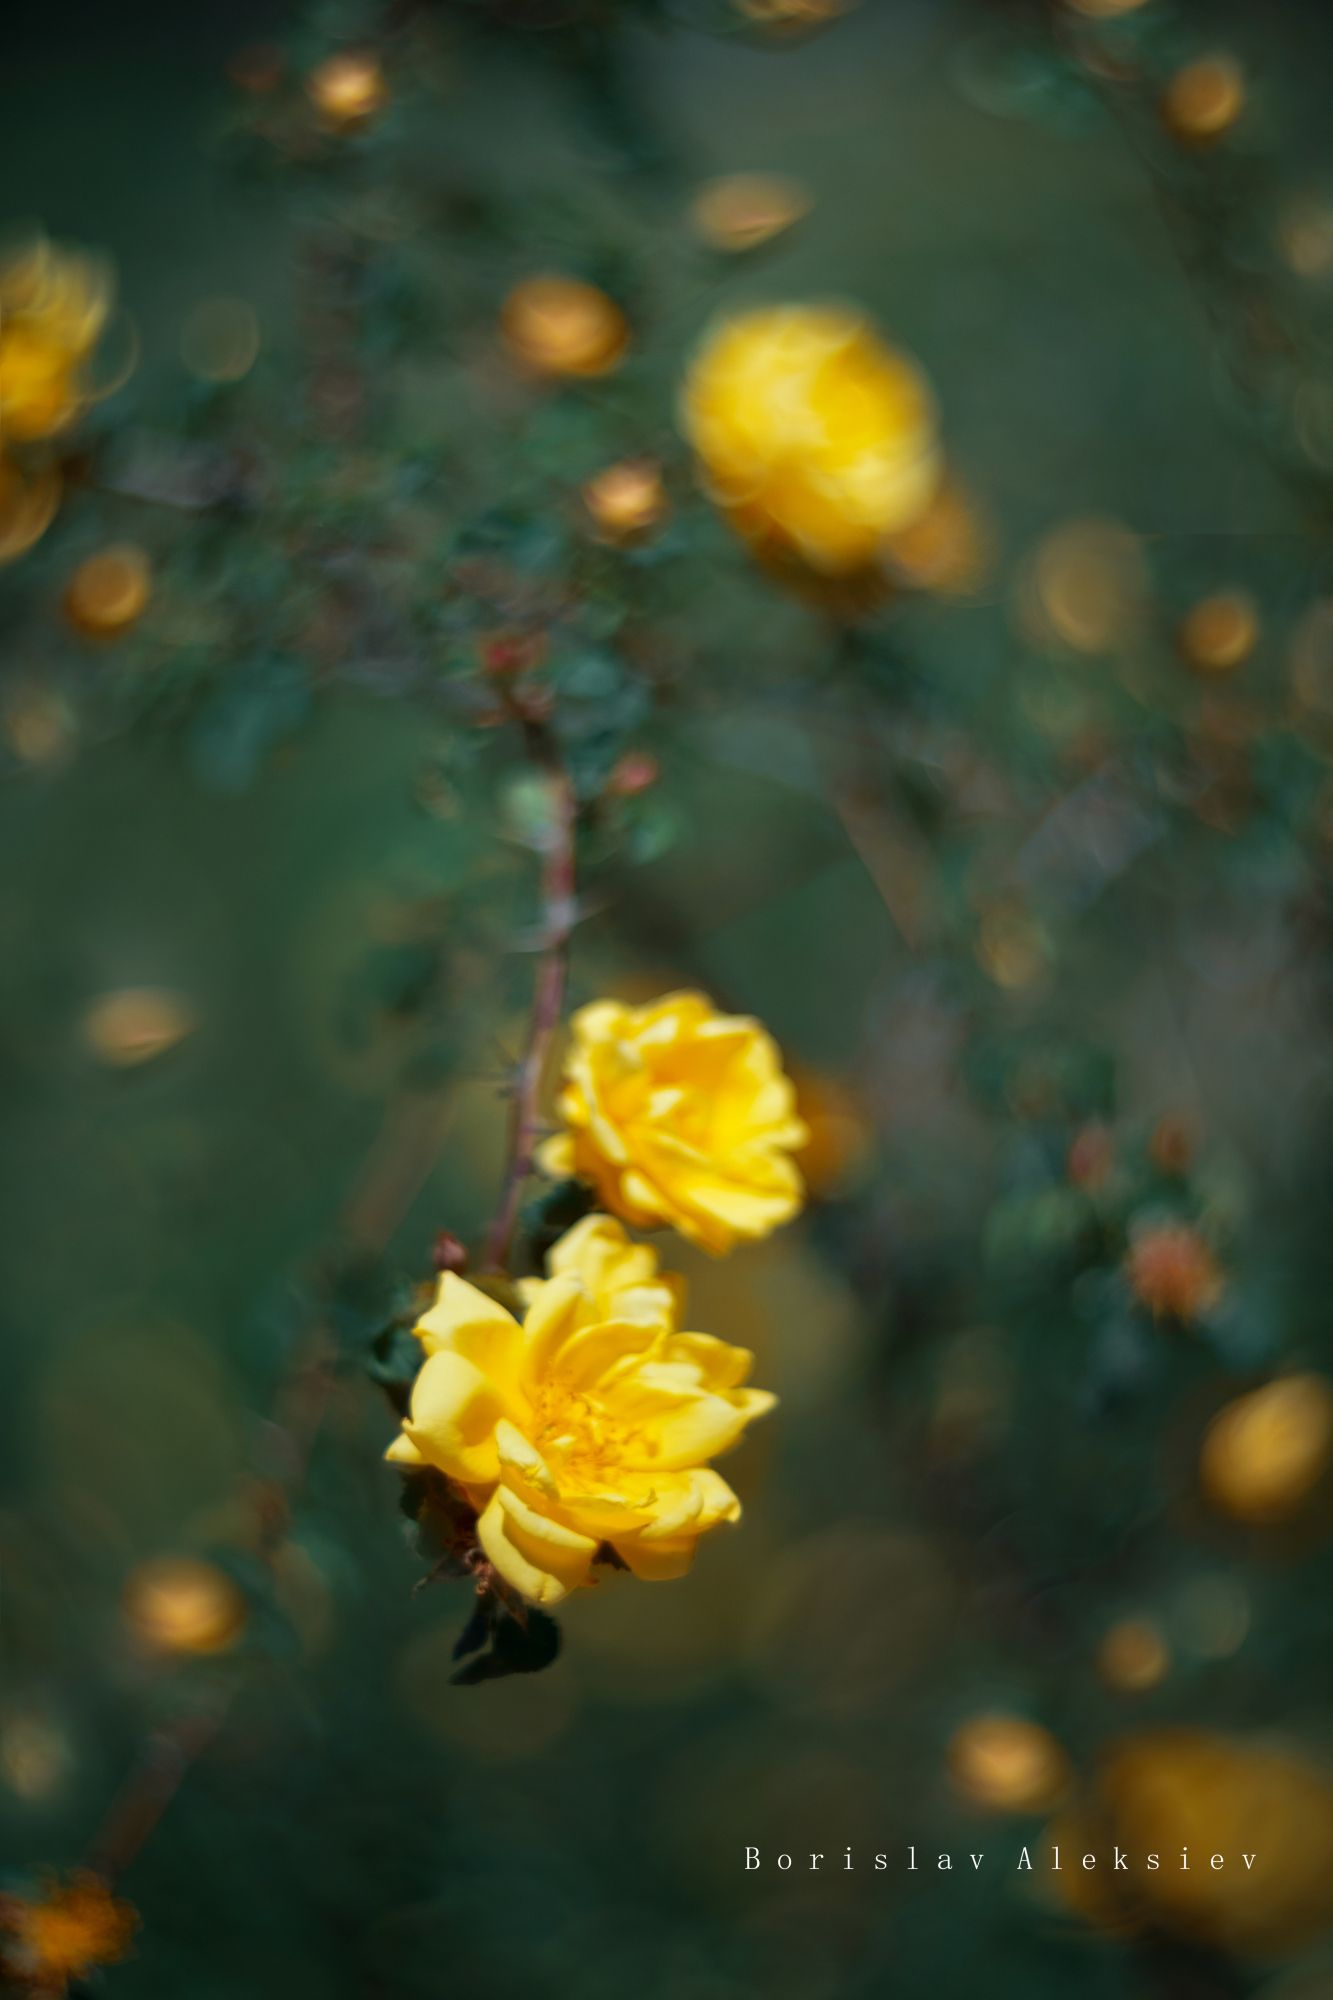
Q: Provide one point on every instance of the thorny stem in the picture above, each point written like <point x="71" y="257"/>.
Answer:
<point x="152" y="1784"/>
<point x="558" y="915"/>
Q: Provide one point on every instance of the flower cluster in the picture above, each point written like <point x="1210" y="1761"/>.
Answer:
<point x="584" y="1432"/>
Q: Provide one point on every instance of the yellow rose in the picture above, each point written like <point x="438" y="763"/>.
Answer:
<point x="678" y="1114"/>
<point x="53" y="308"/>
<point x="591" y="1423"/>
<point x="815" y="438"/>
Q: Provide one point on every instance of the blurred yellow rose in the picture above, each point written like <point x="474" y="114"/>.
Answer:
<point x="1168" y="1790"/>
<point x="814" y="437"/>
<point x="591" y="1423"/>
<point x="53" y="308"/>
<point x="678" y="1114"/>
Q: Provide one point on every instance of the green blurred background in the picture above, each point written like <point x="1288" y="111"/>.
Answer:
<point x="942" y="1518"/>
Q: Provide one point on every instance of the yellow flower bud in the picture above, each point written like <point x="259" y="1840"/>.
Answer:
<point x="742" y="211"/>
<point x="560" y="326"/>
<point x="135" y="1024"/>
<point x="1007" y="1764"/>
<point x="626" y="500"/>
<point x="1219" y="633"/>
<point x="1265" y="1453"/>
<point x="348" y="89"/>
<point x="178" y="1604"/>
<point x="1133" y="1656"/>
<point x="1204" y="100"/>
<point x="815" y="438"/>
<point x="109" y="592"/>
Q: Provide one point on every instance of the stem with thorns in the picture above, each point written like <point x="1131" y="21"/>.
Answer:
<point x="558" y="888"/>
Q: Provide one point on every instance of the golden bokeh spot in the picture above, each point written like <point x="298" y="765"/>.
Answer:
<point x="947" y="549"/>
<point x="1204" y="99"/>
<point x="1172" y="1271"/>
<point x="135" y="1024"/>
<point x="348" y="89"/>
<point x="220" y="339"/>
<point x="794" y="17"/>
<point x="37" y="723"/>
<point x="1089" y="582"/>
<point x="559" y="326"/>
<point x="1133" y="1656"/>
<point x="109" y="592"/>
<point x="627" y="500"/>
<point x="1219" y="633"/>
<point x="74" y="1927"/>
<point x="1266" y="1452"/>
<point x="1007" y="1764"/>
<point x="740" y="212"/>
<point x="181" y="1604"/>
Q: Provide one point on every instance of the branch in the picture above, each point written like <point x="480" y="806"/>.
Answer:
<point x="558" y="916"/>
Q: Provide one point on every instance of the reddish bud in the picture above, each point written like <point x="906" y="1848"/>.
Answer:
<point x="636" y="772"/>
<point x="506" y="653"/>
<point x="448" y="1254"/>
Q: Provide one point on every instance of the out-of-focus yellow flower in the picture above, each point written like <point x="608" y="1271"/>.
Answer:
<point x="179" y="1604"/>
<point x="626" y="500"/>
<point x="1007" y="1764"/>
<point x="53" y="309"/>
<point x="560" y="326"/>
<point x="1171" y="1789"/>
<point x="742" y="211"/>
<point x="678" y="1114"/>
<point x="1264" y="1454"/>
<point x="814" y="437"/>
<point x="1172" y="1271"/>
<point x="109" y="592"/>
<point x="74" y="1927"/>
<point x="591" y="1423"/>
<point x="348" y="89"/>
